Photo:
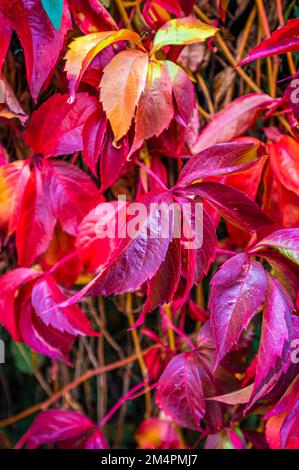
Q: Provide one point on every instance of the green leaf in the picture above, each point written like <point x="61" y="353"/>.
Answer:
<point x="182" y="31"/>
<point x="54" y="9"/>
<point x="23" y="358"/>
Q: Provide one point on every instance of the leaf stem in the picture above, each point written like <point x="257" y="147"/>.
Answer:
<point x="151" y="173"/>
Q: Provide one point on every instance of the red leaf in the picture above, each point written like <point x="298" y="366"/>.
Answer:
<point x="91" y="15"/>
<point x="13" y="180"/>
<point x="69" y="192"/>
<point x="36" y="221"/>
<point x="36" y="34"/>
<point x="43" y="339"/>
<point x="56" y="127"/>
<point x="234" y="120"/>
<point x="161" y="288"/>
<point x="94" y="249"/>
<point x="284" y="39"/>
<point x="10" y="283"/>
<point x="222" y="6"/>
<point x="220" y="159"/>
<point x="238" y="292"/>
<point x="284" y="156"/>
<point x="93" y="135"/>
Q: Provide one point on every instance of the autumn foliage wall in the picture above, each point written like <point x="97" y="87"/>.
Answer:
<point x="142" y="341"/>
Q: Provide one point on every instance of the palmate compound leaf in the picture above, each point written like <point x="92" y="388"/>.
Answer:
<point x="183" y="31"/>
<point x="284" y="39"/>
<point x="84" y="49"/>
<point x="234" y="120"/>
<point x="122" y="84"/>
<point x="67" y="429"/>
<point x="26" y="18"/>
<point x="238" y="293"/>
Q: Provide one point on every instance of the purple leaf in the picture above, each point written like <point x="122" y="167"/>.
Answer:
<point x="233" y="205"/>
<point x="238" y="292"/>
<point x="220" y="159"/>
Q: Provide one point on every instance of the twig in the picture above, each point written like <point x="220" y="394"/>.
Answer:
<point x="74" y="384"/>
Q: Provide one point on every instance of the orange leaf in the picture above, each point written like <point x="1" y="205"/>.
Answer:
<point x="85" y="48"/>
<point x="123" y="82"/>
<point x="155" y="109"/>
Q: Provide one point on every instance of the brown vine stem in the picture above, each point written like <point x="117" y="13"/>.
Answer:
<point x="171" y="336"/>
<point x="230" y="58"/>
<point x="123" y="14"/>
<point x="233" y="62"/>
<point x="138" y="349"/>
<point x="292" y="66"/>
<point x="68" y="388"/>
<point x="265" y="25"/>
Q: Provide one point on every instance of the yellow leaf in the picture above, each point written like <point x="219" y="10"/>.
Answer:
<point x="123" y="82"/>
<point x="182" y="31"/>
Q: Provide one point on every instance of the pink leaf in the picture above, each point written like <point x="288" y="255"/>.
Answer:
<point x="275" y="339"/>
<point x="46" y="295"/>
<point x="234" y="120"/>
<point x="59" y="427"/>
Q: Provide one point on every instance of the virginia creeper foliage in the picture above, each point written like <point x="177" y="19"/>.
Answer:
<point x="121" y="329"/>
